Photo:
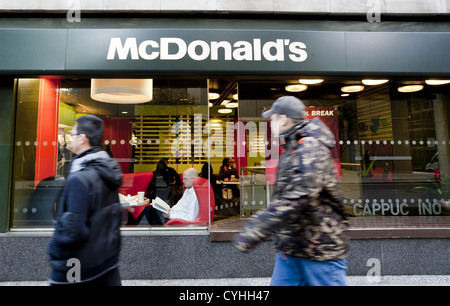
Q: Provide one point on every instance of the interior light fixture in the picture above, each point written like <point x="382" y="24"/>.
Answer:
<point x="345" y="95"/>
<point x="296" y="88"/>
<point x="310" y="81"/>
<point x="372" y="82"/>
<point x="235" y="97"/>
<point x="225" y="110"/>
<point x="352" y="88"/>
<point x="213" y="96"/>
<point x="122" y="91"/>
<point x="410" y="88"/>
<point x="437" y="82"/>
<point x="232" y="105"/>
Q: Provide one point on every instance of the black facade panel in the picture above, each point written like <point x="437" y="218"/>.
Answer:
<point x="38" y="51"/>
<point x="408" y="53"/>
<point x="84" y="51"/>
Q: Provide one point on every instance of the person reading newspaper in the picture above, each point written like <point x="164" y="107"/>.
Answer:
<point x="186" y="208"/>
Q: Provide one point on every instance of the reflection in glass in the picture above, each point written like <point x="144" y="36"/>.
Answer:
<point x="389" y="146"/>
<point x="392" y="151"/>
<point x="138" y="136"/>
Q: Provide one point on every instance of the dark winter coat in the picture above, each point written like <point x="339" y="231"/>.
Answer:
<point x="89" y="218"/>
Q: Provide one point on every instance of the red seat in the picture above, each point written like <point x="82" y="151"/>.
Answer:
<point x="206" y="204"/>
<point x="134" y="182"/>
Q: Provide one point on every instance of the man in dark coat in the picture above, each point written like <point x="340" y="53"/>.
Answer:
<point x="85" y="247"/>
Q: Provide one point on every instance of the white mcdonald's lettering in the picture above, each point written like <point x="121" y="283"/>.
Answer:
<point x="173" y="48"/>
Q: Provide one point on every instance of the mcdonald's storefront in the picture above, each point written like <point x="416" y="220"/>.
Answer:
<point x="192" y="95"/>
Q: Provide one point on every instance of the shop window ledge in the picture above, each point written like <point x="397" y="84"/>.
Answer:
<point x="361" y="228"/>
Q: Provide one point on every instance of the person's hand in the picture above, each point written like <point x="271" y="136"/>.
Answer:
<point x="243" y="244"/>
<point x="167" y="215"/>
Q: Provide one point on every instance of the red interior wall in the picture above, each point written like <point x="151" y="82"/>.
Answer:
<point x="119" y="129"/>
<point x="47" y="129"/>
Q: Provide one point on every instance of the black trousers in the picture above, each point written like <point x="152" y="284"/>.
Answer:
<point x="154" y="216"/>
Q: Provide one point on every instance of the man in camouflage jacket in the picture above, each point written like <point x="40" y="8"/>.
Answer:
<point x="306" y="215"/>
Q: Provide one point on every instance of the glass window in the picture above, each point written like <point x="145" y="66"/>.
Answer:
<point x="392" y="151"/>
<point x="224" y="154"/>
<point x="153" y="143"/>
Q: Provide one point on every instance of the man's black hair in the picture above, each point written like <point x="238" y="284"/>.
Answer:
<point x="92" y="127"/>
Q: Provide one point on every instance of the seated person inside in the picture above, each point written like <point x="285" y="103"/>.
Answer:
<point x="228" y="173"/>
<point x="166" y="183"/>
<point x="207" y="173"/>
<point x="227" y="169"/>
<point x="186" y="208"/>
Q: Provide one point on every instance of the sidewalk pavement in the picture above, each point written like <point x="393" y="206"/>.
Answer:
<point x="403" y="280"/>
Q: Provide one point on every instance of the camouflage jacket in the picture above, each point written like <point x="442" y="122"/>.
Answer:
<point x="306" y="215"/>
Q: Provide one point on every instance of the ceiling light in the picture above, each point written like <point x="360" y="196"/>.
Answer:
<point x="352" y="88"/>
<point x="210" y="104"/>
<point x="122" y="91"/>
<point x="296" y="88"/>
<point x="410" y="88"/>
<point x="235" y="97"/>
<point x="225" y="110"/>
<point x="345" y="95"/>
<point x="437" y="82"/>
<point x="310" y="81"/>
<point x="213" y="96"/>
<point x="232" y="105"/>
<point x="372" y="82"/>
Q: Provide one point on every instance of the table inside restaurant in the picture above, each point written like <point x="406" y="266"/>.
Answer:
<point x="236" y="182"/>
<point x="136" y="210"/>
